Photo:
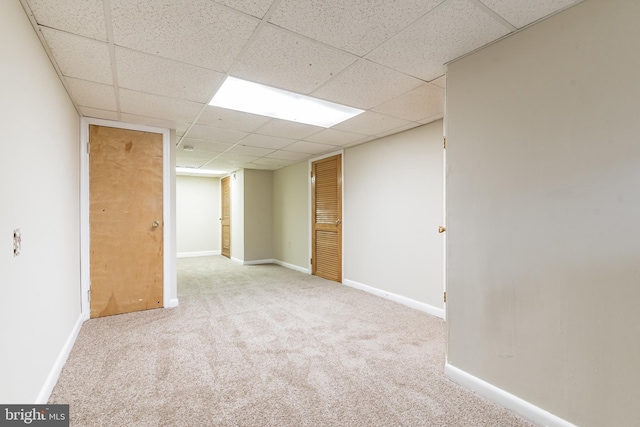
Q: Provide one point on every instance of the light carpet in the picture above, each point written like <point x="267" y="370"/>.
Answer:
<point x="267" y="346"/>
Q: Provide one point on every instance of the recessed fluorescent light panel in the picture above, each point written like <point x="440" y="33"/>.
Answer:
<point x="196" y="171"/>
<point x="241" y="95"/>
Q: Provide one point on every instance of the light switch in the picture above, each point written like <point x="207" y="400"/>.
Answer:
<point x="17" y="242"/>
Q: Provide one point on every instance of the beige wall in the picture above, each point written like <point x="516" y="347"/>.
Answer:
<point x="291" y="215"/>
<point x="39" y="192"/>
<point x="258" y="215"/>
<point x="543" y="210"/>
<point x="197" y="215"/>
<point x="393" y="205"/>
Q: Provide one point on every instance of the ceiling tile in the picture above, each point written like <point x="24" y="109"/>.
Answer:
<point x="98" y="113"/>
<point x="80" y="57"/>
<point x="440" y="82"/>
<point x="431" y="119"/>
<point x="274" y="163"/>
<point x="357" y="26"/>
<point x="200" y="145"/>
<point x="310" y="147"/>
<point x="420" y="103"/>
<point x="455" y="28"/>
<point x="253" y="165"/>
<point x="264" y="141"/>
<point x="160" y="76"/>
<point x="181" y="128"/>
<point x="288" y="61"/>
<point x="257" y="8"/>
<point x="228" y="136"/>
<point x="201" y="155"/>
<point x="365" y="85"/>
<point x="287" y="155"/>
<point x="230" y="119"/>
<point x="250" y="151"/>
<point x="236" y="159"/>
<point x="219" y="164"/>
<point x="186" y="162"/>
<point x="523" y="12"/>
<point x="287" y="129"/>
<point x="83" y="17"/>
<point x="199" y="32"/>
<point x="148" y="121"/>
<point x="144" y="104"/>
<point x="370" y="123"/>
<point x="91" y="94"/>
<point x="334" y="137"/>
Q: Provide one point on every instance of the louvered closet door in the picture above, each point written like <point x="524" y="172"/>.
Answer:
<point x="326" y="184"/>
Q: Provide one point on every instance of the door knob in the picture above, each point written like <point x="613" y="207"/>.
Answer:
<point x="338" y="221"/>
<point x="155" y="224"/>
<point x="441" y="229"/>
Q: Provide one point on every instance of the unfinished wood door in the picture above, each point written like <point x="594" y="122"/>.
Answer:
<point x="225" y="219"/>
<point x="326" y="209"/>
<point x="125" y="220"/>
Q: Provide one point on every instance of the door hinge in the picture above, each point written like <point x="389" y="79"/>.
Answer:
<point x="445" y="296"/>
<point x="89" y="295"/>
<point x="444" y="144"/>
<point x="311" y="261"/>
<point x="88" y="147"/>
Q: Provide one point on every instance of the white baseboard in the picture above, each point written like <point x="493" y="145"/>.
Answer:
<point x="173" y="302"/>
<point x="417" y="305"/>
<point x="196" y="254"/>
<point x="519" y="406"/>
<point x="52" y="378"/>
<point x="258" y="262"/>
<point x="238" y="260"/>
<point x="292" y="266"/>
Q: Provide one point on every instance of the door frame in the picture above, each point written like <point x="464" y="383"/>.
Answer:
<point x="168" y="211"/>
<point x="230" y="178"/>
<point x="310" y="209"/>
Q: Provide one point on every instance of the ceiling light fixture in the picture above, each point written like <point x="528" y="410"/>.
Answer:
<point x="241" y="95"/>
<point x="197" y="171"/>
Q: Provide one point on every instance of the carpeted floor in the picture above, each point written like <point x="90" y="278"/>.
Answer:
<point x="267" y="346"/>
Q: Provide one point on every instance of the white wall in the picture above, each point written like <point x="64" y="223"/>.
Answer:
<point x="39" y="193"/>
<point x="393" y="205"/>
<point x="198" y="213"/>
<point x="291" y="215"/>
<point x="258" y="215"/>
<point x="543" y="211"/>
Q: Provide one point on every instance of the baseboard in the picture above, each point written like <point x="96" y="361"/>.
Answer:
<point x="258" y="262"/>
<point x="507" y="400"/>
<point x="434" y="311"/>
<point x="239" y="261"/>
<point x="292" y="266"/>
<point x="196" y="254"/>
<point x="173" y="302"/>
<point x="52" y="378"/>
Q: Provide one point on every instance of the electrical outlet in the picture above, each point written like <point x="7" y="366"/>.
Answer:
<point x="17" y="242"/>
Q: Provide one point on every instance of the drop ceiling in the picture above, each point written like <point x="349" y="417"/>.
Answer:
<point x="159" y="62"/>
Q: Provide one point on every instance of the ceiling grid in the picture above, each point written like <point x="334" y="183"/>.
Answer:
<point x="159" y="63"/>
